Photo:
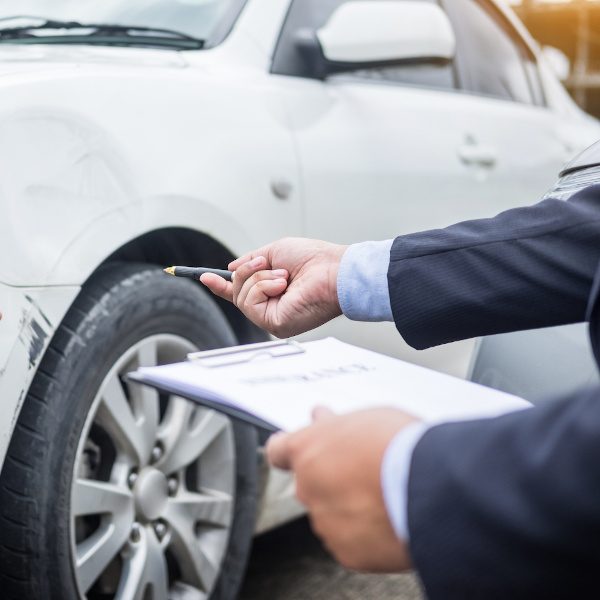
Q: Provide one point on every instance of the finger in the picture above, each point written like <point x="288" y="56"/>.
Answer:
<point x="260" y="293"/>
<point x="218" y="286"/>
<point x="254" y="280"/>
<point x="238" y="262"/>
<point x="322" y="413"/>
<point x="245" y="271"/>
<point x="278" y="451"/>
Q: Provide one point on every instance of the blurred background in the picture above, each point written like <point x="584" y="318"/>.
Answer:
<point x="569" y="33"/>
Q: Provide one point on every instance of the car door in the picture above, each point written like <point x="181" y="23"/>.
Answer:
<point x="513" y="142"/>
<point x="392" y="150"/>
<point x="375" y="149"/>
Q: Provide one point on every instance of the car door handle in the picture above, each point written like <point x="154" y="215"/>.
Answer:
<point x="478" y="154"/>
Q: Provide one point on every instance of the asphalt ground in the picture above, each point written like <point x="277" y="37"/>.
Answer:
<point x="289" y="563"/>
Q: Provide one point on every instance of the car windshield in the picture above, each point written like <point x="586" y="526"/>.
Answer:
<point x="200" y="19"/>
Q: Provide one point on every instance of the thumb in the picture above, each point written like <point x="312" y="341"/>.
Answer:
<point x="218" y="286"/>
<point x="278" y="451"/>
<point x="322" y="413"/>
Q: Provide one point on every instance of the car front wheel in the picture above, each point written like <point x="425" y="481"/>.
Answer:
<point x="110" y="490"/>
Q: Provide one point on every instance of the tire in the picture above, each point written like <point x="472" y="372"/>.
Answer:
<point x="68" y="443"/>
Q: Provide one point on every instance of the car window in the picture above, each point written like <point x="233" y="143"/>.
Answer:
<point x="313" y="14"/>
<point x="492" y="57"/>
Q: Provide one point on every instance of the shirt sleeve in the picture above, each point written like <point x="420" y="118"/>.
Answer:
<point x="362" y="282"/>
<point x="395" y="469"/>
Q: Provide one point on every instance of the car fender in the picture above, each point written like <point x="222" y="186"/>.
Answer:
<point x="111" y="231"/>
<point x="70" y="196"/>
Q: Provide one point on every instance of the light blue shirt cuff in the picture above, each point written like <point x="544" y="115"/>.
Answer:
<point x="395" y="469"/>
<point x="362" y="283"/>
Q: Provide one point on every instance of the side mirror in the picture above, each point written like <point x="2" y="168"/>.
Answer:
<point x="362" y="34"/>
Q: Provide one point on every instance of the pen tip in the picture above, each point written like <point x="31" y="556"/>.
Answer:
<point x="169" y="270"/>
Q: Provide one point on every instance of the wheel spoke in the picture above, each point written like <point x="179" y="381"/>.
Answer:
<point x="144" y="399"/>
<point x="95" y="553"/>
<point x="145" y="404"/>
<point x="116" y="417"/>
<point x="196" y="568"/>
<point x="90" y="497"/>
<point x="183" y="445"/>
<point x="176" y="420"/>
<point x="183" y="591"/>
<point x="214" y="509"/>
<point x="145" y="568"/>
<point x="147" y="354"/>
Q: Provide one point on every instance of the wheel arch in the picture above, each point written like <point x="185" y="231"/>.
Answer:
<point x="178" y="245"/>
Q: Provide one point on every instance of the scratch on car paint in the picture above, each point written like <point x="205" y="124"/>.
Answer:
<point x="38" y="339"/>
<point x="33" y="337"/>
<point x="38" y="308"/>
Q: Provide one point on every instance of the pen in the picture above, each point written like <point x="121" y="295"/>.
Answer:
<point x="195" y="272"/>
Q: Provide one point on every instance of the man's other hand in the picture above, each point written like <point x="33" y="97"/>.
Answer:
<point x="337" y="464"/>
<point x="287" y="287"/>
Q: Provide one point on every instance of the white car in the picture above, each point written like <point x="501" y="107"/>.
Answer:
<point x="142" y="133"/>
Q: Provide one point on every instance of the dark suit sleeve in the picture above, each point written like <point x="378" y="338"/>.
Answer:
<point x="509" y="508"/>
<point x="526" y="268"/>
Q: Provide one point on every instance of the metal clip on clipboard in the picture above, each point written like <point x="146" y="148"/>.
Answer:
<point x="236" y="355"/>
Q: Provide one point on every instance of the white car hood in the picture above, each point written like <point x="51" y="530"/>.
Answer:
<point x="24" y="59"/>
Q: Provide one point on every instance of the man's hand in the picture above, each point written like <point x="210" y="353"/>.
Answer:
<point x="287" y="287"/>
<point x="337" y="463"/>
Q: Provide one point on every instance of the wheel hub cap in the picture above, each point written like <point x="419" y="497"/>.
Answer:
<point x="153" y="488"/>
<point x="150" y="494"/>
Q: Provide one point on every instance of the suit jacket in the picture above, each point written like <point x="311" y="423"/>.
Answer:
<point x="506" y="508"/>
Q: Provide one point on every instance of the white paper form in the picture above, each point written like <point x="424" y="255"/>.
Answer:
<point x="283" y="390"/>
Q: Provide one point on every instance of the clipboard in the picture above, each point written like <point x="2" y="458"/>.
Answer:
<point x="224" y="357"/>
<point x="276" y="385"/>
<point x="235" y="355"/>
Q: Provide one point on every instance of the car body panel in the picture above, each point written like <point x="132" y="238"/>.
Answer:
<point x="108" y="172"/>
<point x="400" y="182"/>
<point x="537" y="365"/>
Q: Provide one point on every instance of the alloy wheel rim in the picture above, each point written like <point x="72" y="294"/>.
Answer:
<point x="153" y="488"/>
